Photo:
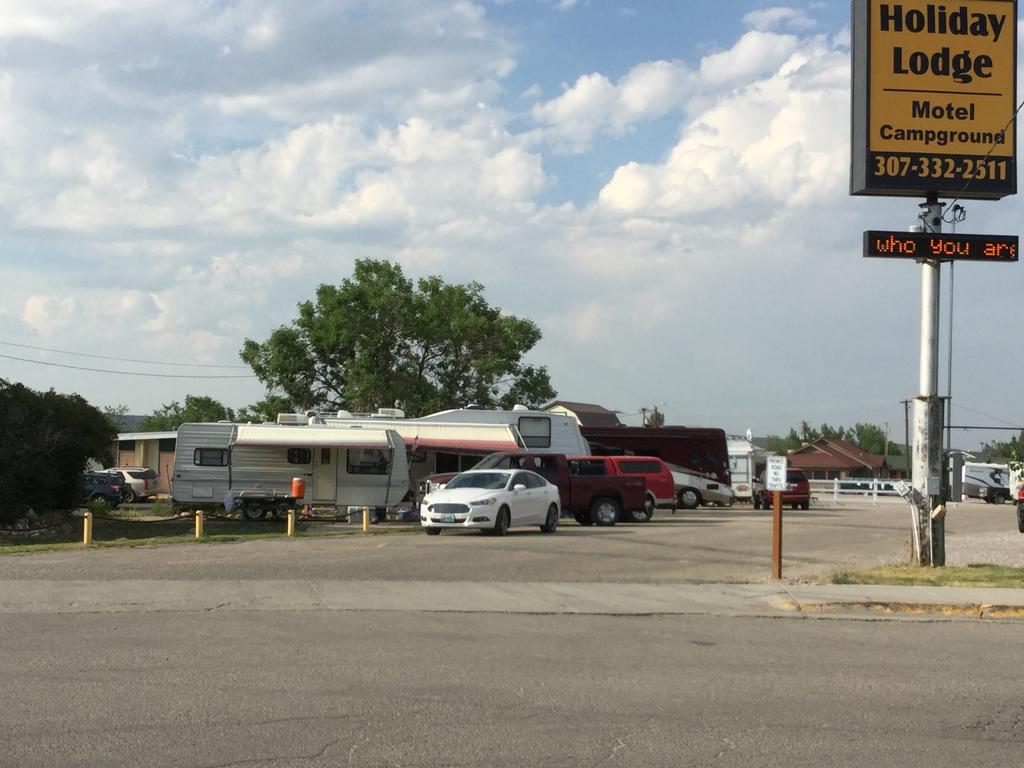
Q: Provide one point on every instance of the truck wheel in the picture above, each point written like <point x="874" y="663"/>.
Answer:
<point x="641" y="515"/>
<point x="689" y="498"/>
<point x="805" y="505"/>
<point x="252" y="511"/>
<point x="551" y="523"/>
<point x="605" y="511"/>
<point x="582" y="518"/>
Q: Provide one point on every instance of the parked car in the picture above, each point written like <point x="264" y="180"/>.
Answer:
<point x="797" y="493"/>
<point x="101" y="485"/>
<point x="137" y="483"/>
<point x="491" y="500"/>
<point x="590" y="499"/>
<point x="661" y="487"/>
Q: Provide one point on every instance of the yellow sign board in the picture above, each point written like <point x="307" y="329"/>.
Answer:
<point x="934" y="98"/>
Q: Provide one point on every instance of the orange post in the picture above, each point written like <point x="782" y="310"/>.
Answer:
<point x="776" y="535"/>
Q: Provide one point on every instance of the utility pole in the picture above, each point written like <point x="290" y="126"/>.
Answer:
<point x="927" y="455"/>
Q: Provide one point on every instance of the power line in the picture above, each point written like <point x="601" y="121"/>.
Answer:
<point x="990" y="151"/>
<point x="125" y="373"/>
<point x="118" y="359"/>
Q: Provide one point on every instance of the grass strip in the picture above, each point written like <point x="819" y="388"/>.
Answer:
<point x="980" y="575"/>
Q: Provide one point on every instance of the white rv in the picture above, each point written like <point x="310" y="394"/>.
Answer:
<point x="744" y="458"/>
<point x="990" y="482"/>
<point x="541" y="431"/>
<point x="437" y="446"/>
<point x="252" y="465"/>
<point x="455" y="440"/>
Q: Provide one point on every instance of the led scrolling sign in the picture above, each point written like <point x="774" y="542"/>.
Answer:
<point x="941" y="247"/>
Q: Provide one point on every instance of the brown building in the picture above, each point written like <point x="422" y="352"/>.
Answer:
<point x="829" y="458"/>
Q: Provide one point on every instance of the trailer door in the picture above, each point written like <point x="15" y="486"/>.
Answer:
<point x="325" y="475"/>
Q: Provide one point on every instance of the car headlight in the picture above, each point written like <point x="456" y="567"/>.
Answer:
<point x="483" y="502"/>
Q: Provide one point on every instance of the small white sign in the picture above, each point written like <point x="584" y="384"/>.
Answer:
<point x="775" y="474"/>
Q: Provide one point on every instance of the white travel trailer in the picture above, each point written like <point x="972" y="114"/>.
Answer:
<point x="541" y="431"/>
<point x="252" y="466"/>
<point x="990" y="482"/>
<point x="744" y="458"/>
<point x="455" y="440"/>
<point x="438" y="446"/>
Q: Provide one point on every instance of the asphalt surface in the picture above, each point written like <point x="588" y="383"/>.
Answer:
<point x="653" y="645"/>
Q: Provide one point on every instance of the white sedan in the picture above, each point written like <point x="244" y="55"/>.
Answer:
<point x="492" y="500"/>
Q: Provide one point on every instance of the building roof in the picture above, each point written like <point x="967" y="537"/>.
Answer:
<point x="588" y="414"/>
<point x="833" y="453"/>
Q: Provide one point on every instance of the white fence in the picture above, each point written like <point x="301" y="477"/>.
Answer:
<point x="854" y="490"/>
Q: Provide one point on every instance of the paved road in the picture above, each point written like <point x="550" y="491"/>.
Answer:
<point x="266" y="654"/>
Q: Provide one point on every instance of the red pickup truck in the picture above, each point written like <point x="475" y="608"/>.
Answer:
<point x="661" y="487"/>
<point x="600" y="499"/>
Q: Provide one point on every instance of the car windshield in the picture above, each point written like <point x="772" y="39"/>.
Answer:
<point x="491" y="481"/>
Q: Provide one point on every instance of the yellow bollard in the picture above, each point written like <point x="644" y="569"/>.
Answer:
<point x="87" y="529"/>
<point x="291" y="522"/>
<point x="366" y="519"/>
<point x="199" y="523"/>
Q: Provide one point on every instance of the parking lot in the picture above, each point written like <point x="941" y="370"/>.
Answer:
<point x="723" y="545"/>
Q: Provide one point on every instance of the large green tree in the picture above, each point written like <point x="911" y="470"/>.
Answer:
<point x="197" y="408"/>
<point x="46" y="440"/>
<point x="378" y="339"/>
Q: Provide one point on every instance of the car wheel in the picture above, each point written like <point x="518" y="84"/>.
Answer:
<point x="252" y="511"/>
<point x="502" y="522"/>
<point x="551" y="523"/>
<point x="432" y="531"/>
<point x="689" y="498"/>
<point x="582" y="518"/>
<point x="605" y="511"/>
<point x="128" y="495"/>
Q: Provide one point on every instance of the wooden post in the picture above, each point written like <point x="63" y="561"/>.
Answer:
<point x="776" y="535"/>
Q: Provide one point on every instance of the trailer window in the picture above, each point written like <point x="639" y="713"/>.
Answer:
<point x="536" y="431"/>
<point x="367" y="461"/>
<point x="210" y="457"/>
<point x="300" y="456"/>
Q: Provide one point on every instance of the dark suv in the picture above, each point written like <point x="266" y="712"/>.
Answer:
<point x="101" y="485"/>
<point x="797" y="493"/>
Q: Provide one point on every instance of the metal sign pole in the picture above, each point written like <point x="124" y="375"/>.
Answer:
<point x="927" y="427"/>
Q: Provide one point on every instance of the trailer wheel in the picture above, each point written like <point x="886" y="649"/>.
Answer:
<point x="253" y="511"/>
<point x="281" y="511"/>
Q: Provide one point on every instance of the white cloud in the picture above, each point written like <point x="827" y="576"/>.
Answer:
<point x="779" y="16"/>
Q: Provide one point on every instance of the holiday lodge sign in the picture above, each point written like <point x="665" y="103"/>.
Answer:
<point x="934" y="95"/>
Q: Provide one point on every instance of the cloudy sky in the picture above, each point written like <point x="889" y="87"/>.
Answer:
<point x="661" y="185"/>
